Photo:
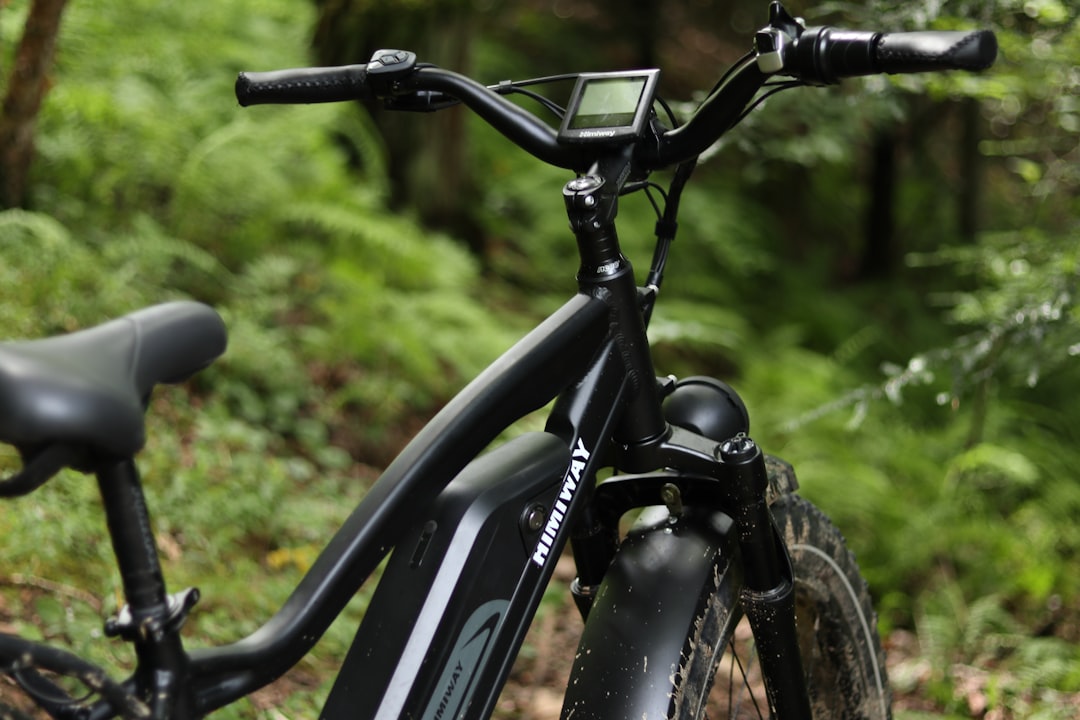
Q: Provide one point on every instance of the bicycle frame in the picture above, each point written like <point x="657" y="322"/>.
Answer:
<point x="475" y="541"/>
<point x="475" y="536"/>
<point x="571" y="346"/>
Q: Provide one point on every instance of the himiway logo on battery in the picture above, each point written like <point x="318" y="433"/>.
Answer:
<point x="562" y="503"/>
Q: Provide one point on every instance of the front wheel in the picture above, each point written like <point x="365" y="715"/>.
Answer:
<point x="835" y="621"/>
<point x="666" y="636"/>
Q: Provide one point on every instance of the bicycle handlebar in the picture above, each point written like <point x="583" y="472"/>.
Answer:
<point x="519" y="125"/>
<point x="303" y="85"/>
<point x="815" y="56"/>
<point x="354" y="82"/>
<point x="825" y="55"/>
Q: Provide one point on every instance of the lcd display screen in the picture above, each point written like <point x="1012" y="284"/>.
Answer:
<point x="609" y="107"/>
<point x="608" y="102"/>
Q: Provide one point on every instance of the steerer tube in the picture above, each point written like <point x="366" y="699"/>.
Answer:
<point x="591" y="205"/>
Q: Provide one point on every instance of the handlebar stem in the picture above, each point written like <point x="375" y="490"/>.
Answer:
<point x="592" y="204"/>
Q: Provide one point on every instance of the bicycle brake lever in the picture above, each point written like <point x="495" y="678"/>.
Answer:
<point x="386" y="68"/>
<point x="771" y="42"/>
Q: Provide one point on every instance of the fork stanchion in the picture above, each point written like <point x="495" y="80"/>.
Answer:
<point x="769" y="593"/>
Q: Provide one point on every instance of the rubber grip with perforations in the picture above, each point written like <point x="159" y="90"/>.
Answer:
<point x="928" y="50"/>
<point x="303" y="85"/>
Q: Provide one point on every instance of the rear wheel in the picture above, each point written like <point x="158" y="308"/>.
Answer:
<point x="837" y="629"/>
<point x="10" y="712"/>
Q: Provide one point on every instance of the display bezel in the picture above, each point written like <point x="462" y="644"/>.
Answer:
<point x="625" y="125"/>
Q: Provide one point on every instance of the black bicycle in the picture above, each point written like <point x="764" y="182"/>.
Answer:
<point x="730" y="595"/>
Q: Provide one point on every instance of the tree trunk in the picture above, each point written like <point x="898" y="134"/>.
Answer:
<point x="879" y="248"/>
<point x="644" y="24"/>
<point x="970" y="171"/>
<point x="26" y="90"/>
<point x="428" y="169"/>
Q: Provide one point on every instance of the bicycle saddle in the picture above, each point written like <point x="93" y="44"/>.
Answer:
<point x="90" y="388"/>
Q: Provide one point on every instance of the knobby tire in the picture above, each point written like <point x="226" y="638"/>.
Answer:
<point x="837" y="627"/>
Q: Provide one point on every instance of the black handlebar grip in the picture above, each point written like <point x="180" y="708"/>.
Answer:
<point x="826" y="55"/>
<point x="303" y="85"/>
<point x="928" y="50"/>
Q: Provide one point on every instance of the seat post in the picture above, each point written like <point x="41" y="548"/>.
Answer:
<point x="132" y="538"/>
<point x="152" y="619"/>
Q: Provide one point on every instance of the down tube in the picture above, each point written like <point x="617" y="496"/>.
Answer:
<point x="545" y="363"/>
<point x="585" y="418"/>
<point x="460" y="590"/>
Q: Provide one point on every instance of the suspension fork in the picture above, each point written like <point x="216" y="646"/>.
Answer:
<point x="768" y="596"/>
<point x="731" y="476"/>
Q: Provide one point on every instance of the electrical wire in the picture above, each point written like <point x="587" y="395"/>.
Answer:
<point x="667" y="109"/>
<point x="776" y="88"/>
<point x="536" y="81"/>
<point x="510" y="87"/>
<point x="727" y="73"/>
<point x="558" y="110"/>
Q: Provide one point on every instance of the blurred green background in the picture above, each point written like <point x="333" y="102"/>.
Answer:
<point x="885" y="270"/>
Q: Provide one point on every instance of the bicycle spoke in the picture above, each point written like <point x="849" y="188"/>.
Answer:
<point x="738" y="692"/>
<point x="746" y="682"/>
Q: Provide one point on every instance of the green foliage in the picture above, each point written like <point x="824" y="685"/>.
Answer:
<point x="1028" y="100"/>
<point x="942" y="440"/>
<point x="401" y="298"/>
<point x="958" y="455"/>
<point x="982" y="661"/>
<point x="53" y="282"/>
<point x="1022" y="306"/>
